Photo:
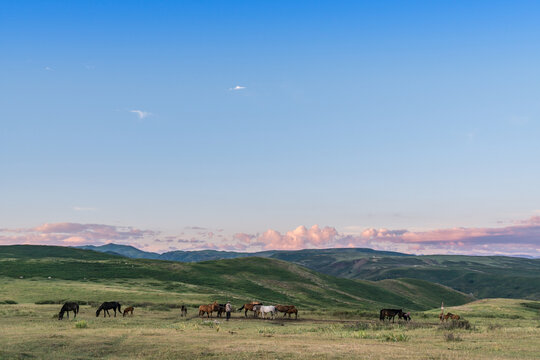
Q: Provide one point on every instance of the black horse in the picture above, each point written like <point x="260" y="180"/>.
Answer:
<point x="183" y="310"/>
<point x="109" y="305"/>
<point x="220" y="309"/>
<point x="391" y="314"/>
<point x="69" y="306"/>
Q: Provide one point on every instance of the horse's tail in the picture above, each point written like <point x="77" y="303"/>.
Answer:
<point x="241" y="307"/>
<point x="119" y="307"/>
<point x="381" y="317"/>
<point x="77" y="309"/>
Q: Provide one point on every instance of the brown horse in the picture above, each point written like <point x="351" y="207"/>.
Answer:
<point x="286" y="309"/>
<point x="450" y="316"/>
<point x="292" y="311"/>
<point x="250" y="307"/>
<point x="208" y="309"/>
<point x="128" y="310"/>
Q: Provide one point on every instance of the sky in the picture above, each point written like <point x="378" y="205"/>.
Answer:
<point x="247" y="125"/>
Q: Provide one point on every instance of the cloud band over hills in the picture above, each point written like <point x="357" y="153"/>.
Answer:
<point x="520" y="238"/>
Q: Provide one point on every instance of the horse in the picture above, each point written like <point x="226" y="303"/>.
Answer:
<point x="406" y="316"/>
<point x="269" y="309"/>
<point x="284" y="309"/>
<point x="128" y="310"/>
<point x="109" y="305"/>
<point x="292" y="311"/>
<point x="220" y="309"/>
<point x="208" y="309"/>
<point x="250" y="307"/>
<point x="66" y="308"/>
<point x="450" y="316"/>
<point x="183" y="310"/>
<point x="390" y="314"/>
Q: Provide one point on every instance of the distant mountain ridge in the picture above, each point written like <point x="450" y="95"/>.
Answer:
<point x="481" y="276"/>
<point x="206" y="255"/>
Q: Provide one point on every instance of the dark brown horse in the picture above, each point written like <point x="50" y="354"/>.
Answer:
<point x="69" y="306"/>
<point x="449" y="316"/>
<point x="109" y="305"/>
<point x="183" y="310"/>
<point x="220" y="309"/>
<point x="287" y="309"/>
<point x="249" y="307"/>
<point x="208" y="309"/>
<point x="128" y="310"/>
<point x="390" y="314"/>
<point x="292" y="311"/>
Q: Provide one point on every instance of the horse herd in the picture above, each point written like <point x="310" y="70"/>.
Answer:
<point x="258" y="308"/>
<point x="105" y="307"/>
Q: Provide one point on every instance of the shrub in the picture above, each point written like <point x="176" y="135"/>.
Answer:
<point x="81" y="324"/>
<point x="8" y="302"/>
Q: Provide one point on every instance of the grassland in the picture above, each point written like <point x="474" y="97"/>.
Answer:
<point x="500" y="329"/>
<point x="337" y="317"/>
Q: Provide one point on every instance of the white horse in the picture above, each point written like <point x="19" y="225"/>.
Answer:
<point x="263" y="310"/>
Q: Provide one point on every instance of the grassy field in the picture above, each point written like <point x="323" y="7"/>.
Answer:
<point x="499" y="329"/>
<point x="338" y="318"/>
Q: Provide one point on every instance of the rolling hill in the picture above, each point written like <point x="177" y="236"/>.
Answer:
<point x="241" y="279"/>
<point x="481" y="276"/>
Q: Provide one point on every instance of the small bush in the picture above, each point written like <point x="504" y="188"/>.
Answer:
<point x="451" y="337"/>
<point x="81" y="324"/>
<point x="8" y="302"/>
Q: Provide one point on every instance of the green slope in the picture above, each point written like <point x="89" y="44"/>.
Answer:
<point x="243" y="279"/>
<point x="481" y="276"/>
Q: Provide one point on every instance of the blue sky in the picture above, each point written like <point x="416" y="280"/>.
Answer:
<point x="352" y="115"/>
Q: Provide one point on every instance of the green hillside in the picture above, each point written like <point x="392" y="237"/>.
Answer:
<point x="240" y="279"/>
<point x="481" y="276"/>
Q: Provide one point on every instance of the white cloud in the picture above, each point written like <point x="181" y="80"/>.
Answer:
<point x="237" y="87"/>
<point x="141" y="114"/>
<point x="48" y="68"/>
<point x="82" y="208"/>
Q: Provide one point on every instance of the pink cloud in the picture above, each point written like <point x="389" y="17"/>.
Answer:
<point x="72" y="234"/>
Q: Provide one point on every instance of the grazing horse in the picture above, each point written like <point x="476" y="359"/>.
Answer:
<point x="390" y="314"/>
<point x="284" y="309"/>
<point x="263" y="310"/>
<point x="250" y="307"/>
<point x="450" y="316"/>
<point x="183" y="310"/>
<point x="208" y="309"/>
<point x="292" y="311"/>
<point x="109" y="305"/>
<point x="128" y="310"/>
<point x="69" y="306"/>
<point x="406" y="316"/>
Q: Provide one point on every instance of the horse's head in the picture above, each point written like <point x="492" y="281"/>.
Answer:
<point x="97" y="312"/>
<point x="60" y="315"/>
